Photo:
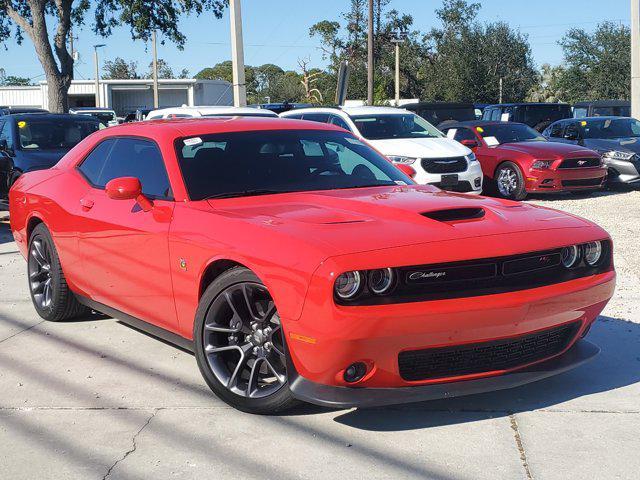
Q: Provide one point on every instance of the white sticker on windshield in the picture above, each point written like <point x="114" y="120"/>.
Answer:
<point x="400" y="182"/>
<point x="190" y="142"/>
<point x="504" y="117"/>
<point x="451" y="133"/>
<point x="491" y="141"/>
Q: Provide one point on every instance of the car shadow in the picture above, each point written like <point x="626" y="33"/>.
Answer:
<point x="5" y="232"/>
<point x="617" y="366"/>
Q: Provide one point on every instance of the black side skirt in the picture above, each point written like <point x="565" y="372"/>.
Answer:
<point x="153" y="330"/>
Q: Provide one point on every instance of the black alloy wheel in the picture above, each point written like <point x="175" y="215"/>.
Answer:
<point x="240" y="344"/>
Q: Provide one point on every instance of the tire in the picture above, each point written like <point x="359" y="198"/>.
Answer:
<point x="239" y="344"/>
<point x="509" y="182"/>
<point x="50" y="294"/>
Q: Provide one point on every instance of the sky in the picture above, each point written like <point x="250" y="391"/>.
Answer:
<point x="277" y="31"/>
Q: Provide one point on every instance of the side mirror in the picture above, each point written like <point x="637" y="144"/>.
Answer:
<point x="469" y="143"/>
<point x="127" y="188"/>
<point x="406" y="169"/>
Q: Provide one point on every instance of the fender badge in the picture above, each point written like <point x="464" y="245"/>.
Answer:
<point x="183" y="264"/>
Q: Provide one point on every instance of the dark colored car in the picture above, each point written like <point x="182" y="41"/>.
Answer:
<point x="442" y="113"/>
<point x="617" y="139"/>
<point x="537" y="115"/>
<point x="136" y="116"/>
<point x="278" y="108"/>
<point x="37" y="141"/>
<point x="516" y="159"/>
<point x="15" y="110"/>
<point x="602" y="108"/>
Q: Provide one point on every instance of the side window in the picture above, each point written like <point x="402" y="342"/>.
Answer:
<point x="128" y="157"/>
<point x="297" y="116"/>
<point x="336" y="120"/>
<point x="464" y="134"/>
<point x="556" y="130"/>
<point x="5" y="134"/>
<point x="580" y="112"/>
<point x="316" y="117"/>
<point x="495" y="114"/>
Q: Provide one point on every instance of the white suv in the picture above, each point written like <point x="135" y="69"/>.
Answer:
<point x="213" y="111"/>
<point x="405" y="138"/>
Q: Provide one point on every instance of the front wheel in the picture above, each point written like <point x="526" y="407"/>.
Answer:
<point x="240" y="346"/>
<point x="510" y="182"/>
<point x="51" y="296"/>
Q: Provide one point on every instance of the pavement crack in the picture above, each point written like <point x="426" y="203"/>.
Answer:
<point x="519" y="445"/>
<point x="22" y="331"/>
<point x="134" y="445"/>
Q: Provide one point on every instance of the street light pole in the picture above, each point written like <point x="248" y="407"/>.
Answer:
<point x="156" y="102"/>
<point x="237" y="55"/>
<point x="95" y="60"/>
<point x="635" y="58"/>
<point x="370" y="56"/>
<point x="398" y="39"/>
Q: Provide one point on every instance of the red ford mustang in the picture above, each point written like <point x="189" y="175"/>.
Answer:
<point x="518" y="160"/>
<point x="299" y="264"/>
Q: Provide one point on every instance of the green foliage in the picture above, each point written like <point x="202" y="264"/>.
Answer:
<point x="12" y="80"/>
<point x="119" y="69"/>
<point x="597" y="65"/>
<point x="165" y="71"/>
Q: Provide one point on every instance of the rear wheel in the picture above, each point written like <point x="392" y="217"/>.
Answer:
<point x="51" y="296"/>
<point x="510" y="182"/>
<point x="239" y="344"/>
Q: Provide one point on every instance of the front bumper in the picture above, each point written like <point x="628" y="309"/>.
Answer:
<point x="561" y="180"/>
<point x="347" y="397"/>
<point x="621" y="171"/>
<point x="469" y="181"/>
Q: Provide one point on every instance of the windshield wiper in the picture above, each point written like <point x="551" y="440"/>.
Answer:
<point x="246" y="193"/>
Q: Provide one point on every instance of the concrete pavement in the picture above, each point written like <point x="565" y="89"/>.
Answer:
<point x="96" y="399"/>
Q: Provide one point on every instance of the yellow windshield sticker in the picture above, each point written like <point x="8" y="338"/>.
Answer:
<point x="480" y="129"/>
<point x="583" y="123"/>
<point x="22" y="124"/>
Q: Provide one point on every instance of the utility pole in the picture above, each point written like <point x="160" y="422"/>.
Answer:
<point x="237" y="55"/>
<point x="156" y="102"/>
<point x="95" y="60"/>
<point x="398" y="39"/>
<point x="370" y="56"/>
<point x="635" y="58"/>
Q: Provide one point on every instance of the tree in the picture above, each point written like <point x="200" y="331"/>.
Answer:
<point x="165" y="71"/>
<point x="119" y="69"/>
<point x="18" y="17"/>
<point x="12" y="80"/>
<point x="467" y="59"/>
<point x="548" y="88"/>
<point x="597" y="65"/>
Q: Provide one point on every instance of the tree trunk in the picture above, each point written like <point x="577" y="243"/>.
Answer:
<point x="57" y="87"/>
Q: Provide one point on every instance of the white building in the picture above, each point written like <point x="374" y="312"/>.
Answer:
<point x="126" y="95"/>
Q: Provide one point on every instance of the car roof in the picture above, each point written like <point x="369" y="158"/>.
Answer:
<point x="214" y="110"/>
<point x="187" y="127"/>
<point x="351" y="111"/>
<point x="90" y="109"/>
<point x="477" y="123"/>
<point x="556" y="104"/>
<point x="53" y="116"/>
<point x="409" y="106"/>
<point x="603" y="103"/>
<point x="600" y="117"/>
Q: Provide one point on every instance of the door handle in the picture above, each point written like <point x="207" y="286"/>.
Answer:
<point x="86" y="203"/>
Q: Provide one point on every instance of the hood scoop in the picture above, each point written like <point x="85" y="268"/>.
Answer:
<point x="455" y="214"/>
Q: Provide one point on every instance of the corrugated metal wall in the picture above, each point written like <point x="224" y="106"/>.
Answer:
<point x="21" y="96"/>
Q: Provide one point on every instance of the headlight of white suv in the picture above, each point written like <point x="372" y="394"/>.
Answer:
<point x="402" y="160"/>
<point x="618" y="155"/>
<point x="471" y="157"/>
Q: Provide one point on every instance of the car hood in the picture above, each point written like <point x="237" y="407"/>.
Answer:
<point x="420" y="147"/>
<point x="39" y="159"/>
<point x="356" y="220"/>
<point x="547" y="150"/>
<point x="602" y="145"/>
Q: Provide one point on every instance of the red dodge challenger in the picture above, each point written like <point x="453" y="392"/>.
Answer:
<point x="297" y="263"/>
<point x="517" y="160"/>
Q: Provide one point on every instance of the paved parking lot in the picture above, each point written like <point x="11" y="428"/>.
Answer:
<point x="96" y="399"/>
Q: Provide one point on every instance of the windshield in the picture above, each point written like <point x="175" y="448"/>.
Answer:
<point x="38" y="133"/>
<point x="239" y="164"/>
<point x="508" y="133"/>
<point x="386" y="126"/>
<point x="610" y="128"/>
<point x="536" y="114"/>
<point x="437" y="115"/>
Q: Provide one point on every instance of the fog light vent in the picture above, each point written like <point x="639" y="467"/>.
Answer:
<point x="355" y="372"/>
